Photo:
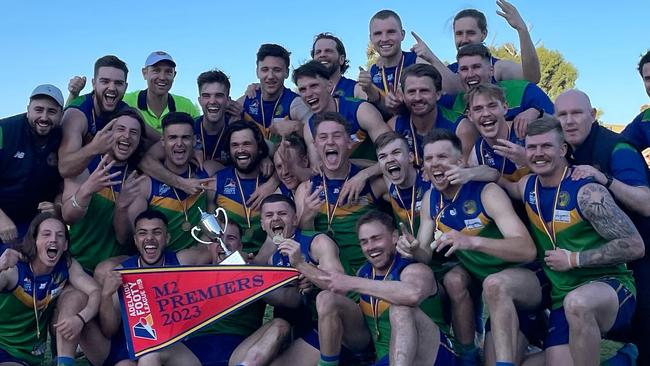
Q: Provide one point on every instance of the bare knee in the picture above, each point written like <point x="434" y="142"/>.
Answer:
<point x="71" y="301"/>
<point x="326" y="303"/>
<point x="577" y="308"/>
<point x="456" y="283"/>
<point x="496" y="288"/>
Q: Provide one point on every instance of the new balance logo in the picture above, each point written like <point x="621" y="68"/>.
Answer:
<point x="19" y="155"/>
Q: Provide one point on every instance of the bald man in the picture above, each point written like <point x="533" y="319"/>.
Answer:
<point x="604" y="155"/>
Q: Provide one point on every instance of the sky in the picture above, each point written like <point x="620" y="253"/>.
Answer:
<point x="51" y="41"/>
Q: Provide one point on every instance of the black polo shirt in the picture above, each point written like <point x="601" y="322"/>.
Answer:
<point x="28" y="172"/>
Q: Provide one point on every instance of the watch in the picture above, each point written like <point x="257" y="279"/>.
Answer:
<point x="610" y="179"/>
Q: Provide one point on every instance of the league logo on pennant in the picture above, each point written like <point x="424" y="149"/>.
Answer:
<point x="163" y="305"/>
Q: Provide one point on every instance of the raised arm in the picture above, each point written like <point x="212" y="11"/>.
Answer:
<point x="450" y="80"/>
<point x="74" y="157"/>
<point x="624" y="243"/>
<point x="529" y="68"/>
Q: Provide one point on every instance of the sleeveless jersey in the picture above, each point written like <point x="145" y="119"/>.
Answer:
<point x="94" y="121"/>
<point x="214" y="147"/>
<point x="344" y="88"/>
<point x="467" y="215"/>
<point x="445" y="118"/>
<point x="263" y="112"/>
<point x="572" y="231"/>
<point x="385" y="79"/>
<point x="407" y="202"/>
<point x="344" y="218"/>
<point x="280" y="260"/>
<point x="169" y="259"/>
<point x="362" y="146"/>
<point x="18" y="335"/>
<point x="93" y="239"/>
<point x="175" y="204"/>
<point x="520" y="96"/>
<point x="485" y="155"/>
<point x="380" y="327"/>
<point x="232" y="193"/>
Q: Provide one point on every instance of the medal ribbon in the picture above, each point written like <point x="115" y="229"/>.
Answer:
<point x="265" y="129"/>
<point x="410" y="214"/>
<point x="551" y="232"/>
<point x="396" y="77"/>
<point x="374" y="302"/>
<point x="183" y="203"/>
<point x="247" y="210"/>
<point x="205" y="146"/>
<point x="330" y="215"/>
<point x="442" y="209"/>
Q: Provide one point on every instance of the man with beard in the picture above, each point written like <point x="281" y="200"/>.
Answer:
<point x="526" y="101"/>
<point x="29" y="177"/>
<point x="312" y="80"/>
<point x="498" y="152"/>
<point x="318" y="199"/>
<point x="638" y="131"/>
<point x="180" y="208"/>
<point x="236" y="183"/>
<point x="583" y="240"/>
<point x="87" y="130"/>
<point x="156" y="101"/>
<point x="90" y="199"/>
<point x="470" y="27"/>
<point x="275" y="109"/>
<point x="309" y="253"/>
<point x="606" y="157"/>
<point x="329" y="50"/>
<point x="476" y="222"/>
<point x="31" y="281"/>
<point x="397" y="300"/>
<point x="151" y="238"/>
<point x="421" y="85"/>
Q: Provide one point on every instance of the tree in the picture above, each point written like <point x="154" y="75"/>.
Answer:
<point x="558" y="74"/>
<point x="371" y="55"/>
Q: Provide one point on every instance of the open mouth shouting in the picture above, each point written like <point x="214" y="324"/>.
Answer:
<point x="313" y="104"/>
<point x="331" y="156"/>
<point x="52" y="252"/>
<point x="277" y="228"/>
<point x="394" y="171"/>
<point x="110" y="100"/>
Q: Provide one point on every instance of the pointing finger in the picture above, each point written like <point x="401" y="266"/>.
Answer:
<point x="417" y="38"/>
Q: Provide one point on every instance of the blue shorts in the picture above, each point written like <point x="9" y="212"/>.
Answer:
<point x="213" y="349"/>
<point x="533" y="322"/>
<point x="6" y="357"/>
<point x="118" y="351"/>
<point x="347" y="356"/>
<point x="558" y="326"/>
<point x="445" y="357"/>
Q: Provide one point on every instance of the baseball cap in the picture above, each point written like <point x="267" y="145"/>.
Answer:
<point x="50" y="91"/>
<point x="158" y="56"/>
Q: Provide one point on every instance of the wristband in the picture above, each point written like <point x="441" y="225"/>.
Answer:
<point x="578" y="259"/>
<point x="82" y="318"/>
<point x="609" y="181"/>
<point x="75" y="203"/>
<point x="573" y="260"/>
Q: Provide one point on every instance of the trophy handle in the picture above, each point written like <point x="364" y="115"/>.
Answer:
<point x="195" y="229"/>
<point x="225" y="216"/>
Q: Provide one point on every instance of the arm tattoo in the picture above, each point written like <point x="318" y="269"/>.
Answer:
<point x="624" y="242"/>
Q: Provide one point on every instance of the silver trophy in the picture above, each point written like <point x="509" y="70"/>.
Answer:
<point x="210" y="227"/>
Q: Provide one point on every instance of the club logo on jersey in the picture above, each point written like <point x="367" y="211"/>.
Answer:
<point x="563" y="199"/>
<point x="469" y="207"/>
<point x="163" y="190"/>
<point x="279" y="111"/>
<point x="254" y="107"/>
<point x="376" y="78"/>
<point x="489" y="159"/>
<point x="230" y="187"/>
